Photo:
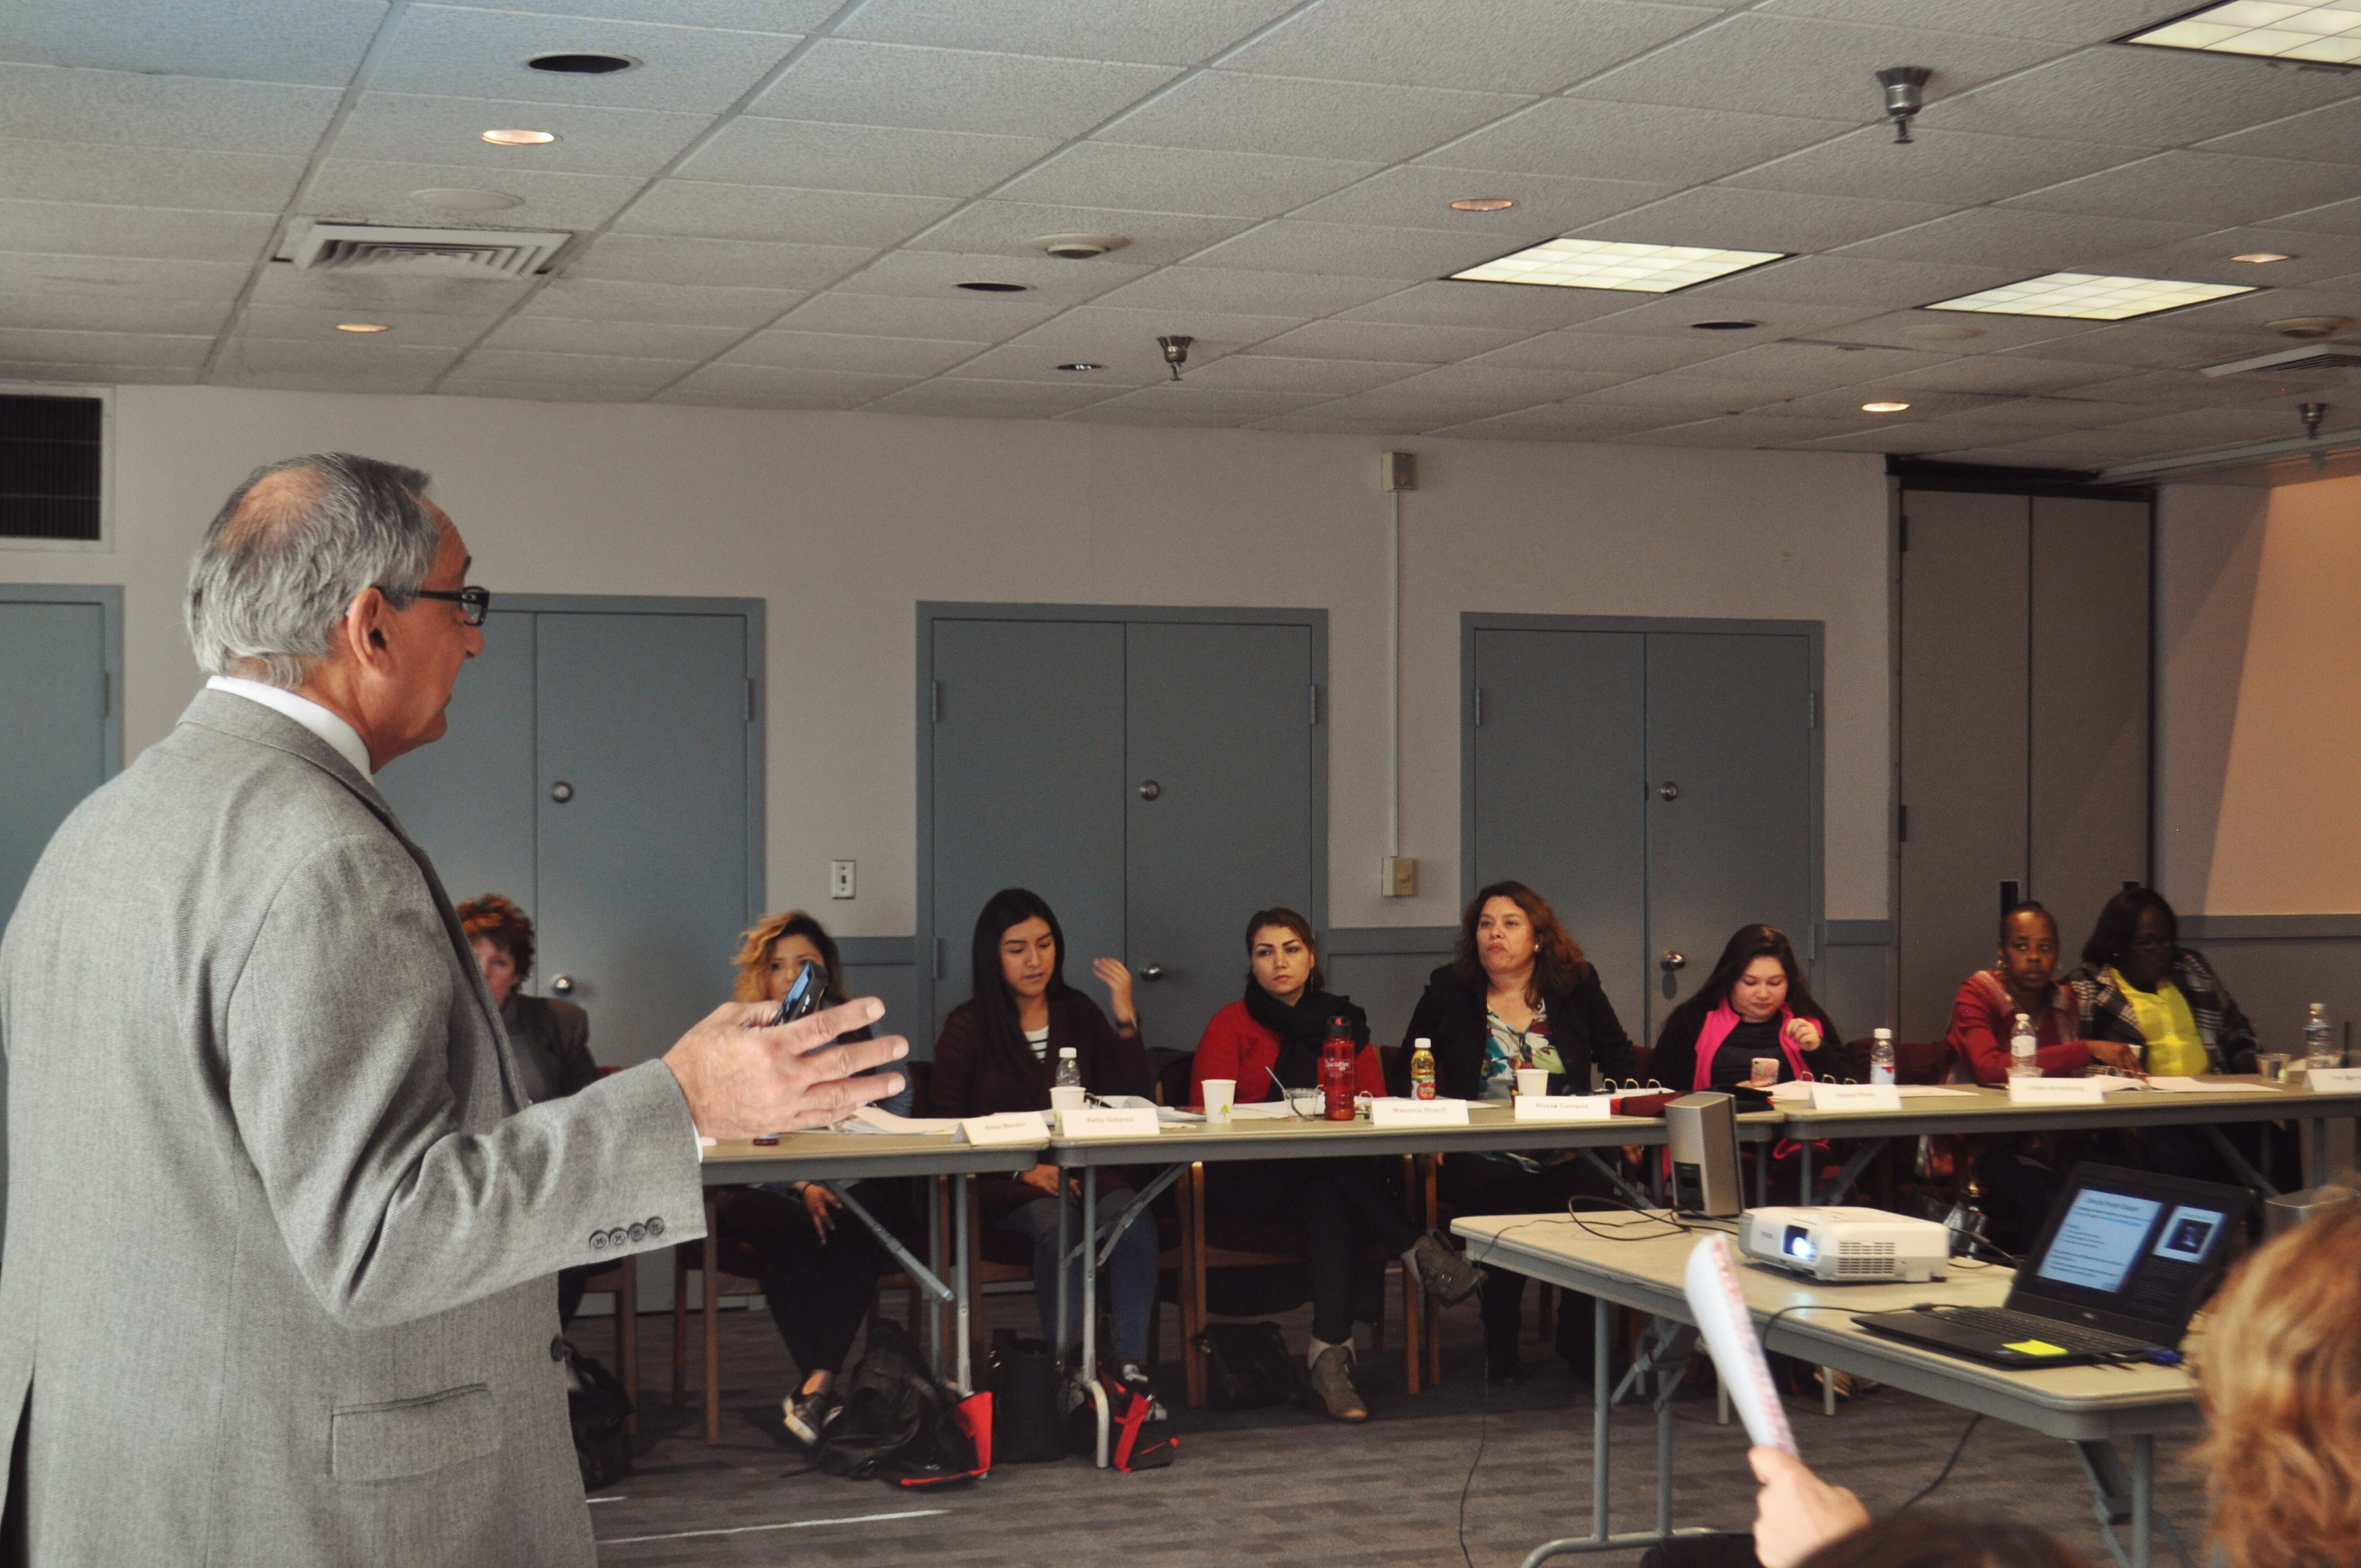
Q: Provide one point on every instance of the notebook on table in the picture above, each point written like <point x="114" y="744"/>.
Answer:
<point x="2123" y="1264"/>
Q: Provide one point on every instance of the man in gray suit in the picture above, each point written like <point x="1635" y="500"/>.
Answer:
<point x="282" y="1221"/>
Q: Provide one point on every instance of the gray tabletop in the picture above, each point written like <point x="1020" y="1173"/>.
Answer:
<point x="2077" y="1403"/>
<point x="1489" y="1127"/>
<point x="849" y="1156"/>
<point x="1981" y="1110"/>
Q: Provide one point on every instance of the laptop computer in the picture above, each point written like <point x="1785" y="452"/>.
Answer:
<point x="2124" y="1260"/>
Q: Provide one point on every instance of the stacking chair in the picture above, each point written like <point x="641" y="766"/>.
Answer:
<point x="726" y="1268"/>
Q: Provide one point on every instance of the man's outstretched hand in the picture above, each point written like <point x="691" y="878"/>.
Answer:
<point x="743" y="1078"/>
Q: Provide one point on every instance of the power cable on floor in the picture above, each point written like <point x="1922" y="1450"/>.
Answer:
<point x="1943" y="1475"/>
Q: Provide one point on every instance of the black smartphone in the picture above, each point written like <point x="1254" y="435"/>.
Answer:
<point x="805" y="996"/>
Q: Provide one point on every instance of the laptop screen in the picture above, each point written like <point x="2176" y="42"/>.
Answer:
<point x="2129" y="1245"/>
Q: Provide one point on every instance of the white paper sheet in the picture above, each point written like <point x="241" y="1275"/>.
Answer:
<point x="1929" y="1091"/>
<point x="870" y="1119"/>
<point x="1261" y="1110"/>
<point x="2171" y="1085"/>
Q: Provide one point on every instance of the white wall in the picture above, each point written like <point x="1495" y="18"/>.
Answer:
<point x="843" y="521"/>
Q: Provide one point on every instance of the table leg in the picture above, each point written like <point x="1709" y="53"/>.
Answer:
<point x="934" y="1187"/>
<point x="1803" y="1172"/>
<point x="2246" y="1173"/>
<point x="1091" y="1305"/>
<point x="966" y="1283"/>
<point x="1064" y="1307"/>
<point x="1602" y="1399"/>
<point x="1869" y="1150"/>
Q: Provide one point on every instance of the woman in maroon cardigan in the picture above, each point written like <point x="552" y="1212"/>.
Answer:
<point x="999" y="1052"/>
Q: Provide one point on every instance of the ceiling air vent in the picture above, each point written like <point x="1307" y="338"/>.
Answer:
<point x="487" y="254"/>
<point x="2310" y="357"/>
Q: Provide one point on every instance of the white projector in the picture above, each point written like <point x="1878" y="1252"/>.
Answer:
<point x="1846" y="1244"/>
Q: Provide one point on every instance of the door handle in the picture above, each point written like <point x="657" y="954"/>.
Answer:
<point x="1673" y="960"/>
<point x="1669" y="790"/>
<point x="1149" y="789"/>
<point x="561" y="792"/>
<point x="1152" y="973"/>
<point x="562" y="986"/>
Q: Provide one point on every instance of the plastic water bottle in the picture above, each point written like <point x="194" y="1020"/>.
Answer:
<point x="2022" y="1048"/>
<point x="1069" y="1068"/>
<point x="2320" y="1047"/>
<point x="1421" y="1069"/>
<point x="1336" y="1071"/>
<point x="1880" y="1056"/>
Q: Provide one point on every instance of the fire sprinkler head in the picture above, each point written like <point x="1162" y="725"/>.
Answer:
<point x="1905" y="94"/>
<point x="2312" y="413"/>
<point x="1176" y="352"/>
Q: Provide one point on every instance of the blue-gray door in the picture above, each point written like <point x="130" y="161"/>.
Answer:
<point x="1560" y="762"/>
<point x="1027" y="788"/>
<point x="468" y="799"/>
<point x="1221" y="720"/>
<point x="54" y="703"/>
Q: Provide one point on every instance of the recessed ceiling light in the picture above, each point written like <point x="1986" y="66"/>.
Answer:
<point x="588" y="64"/>
<point x="1615" y="264"/>
<point x="2263" y="257"/>
<point x="1482" y="204"/>
<point x="1882" y="407"/>
<point x="520" y="139"/>
<point x="1723" y="326"/>
<point x="363" y="327"/>
<point x="1082" y="365"/>
<point x="2086" y="296"/>
<point x="2328" y="32"/>
<point x="466" y="201"/>
<point x="994" y="288"/>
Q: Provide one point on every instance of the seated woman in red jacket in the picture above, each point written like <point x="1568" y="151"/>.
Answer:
<point x="1983" y="1016"/>
<point x="1272" y="1037"/>
<point x="999" y="1052"/>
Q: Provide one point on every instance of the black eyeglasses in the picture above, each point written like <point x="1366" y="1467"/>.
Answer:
<point x="472" y="602"/>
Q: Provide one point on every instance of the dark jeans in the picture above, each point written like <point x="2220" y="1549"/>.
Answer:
<point x="1131" y="1271"/>
<point x="1472" y="1184"/>
<point x="818" y="1290"/>
<point x="2187" y="1151"/>
<point x="1340" y="1204"/>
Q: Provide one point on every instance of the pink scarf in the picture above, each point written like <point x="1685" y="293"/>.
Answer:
<point x="1718" y="1026"/>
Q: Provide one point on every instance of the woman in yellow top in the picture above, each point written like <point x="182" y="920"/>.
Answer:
<point x="2138" y="985"/>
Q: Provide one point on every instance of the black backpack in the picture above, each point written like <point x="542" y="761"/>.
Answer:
<point x="601" y="1413"/>
<point x="901" y="1424"/>
<point x="1028" y="1422"/>
<point x="1249" y="1365"/>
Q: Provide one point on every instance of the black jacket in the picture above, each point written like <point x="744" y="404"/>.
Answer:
<point x="1582" y="1027"/>
<point x="1674" y="1065"/>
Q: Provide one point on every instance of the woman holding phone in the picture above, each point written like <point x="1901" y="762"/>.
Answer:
<point x="1751" y="1025"/>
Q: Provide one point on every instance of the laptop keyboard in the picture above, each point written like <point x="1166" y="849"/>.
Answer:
<point x="2025" y="1325"/>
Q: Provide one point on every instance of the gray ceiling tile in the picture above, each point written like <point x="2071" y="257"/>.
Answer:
<point x="896" y="160"/>
<point x="1949" y="332"/>
<point x="1172" y="32"/>
<point x="2337" y="217"/>
<point x="2328" y="135"/>
<point x="774" y="212"/>
<point x="1157" y="238"/>
<point x="539" y="391"/>
<point x="1098" y="332"/>
<point x="1006" y="400"/>
<point x="677" y="304"/>
<point x="1598" y="352"/>
<point x="1228" y="111"/>
<point x="2246" y="313"/>
<point x="1419" y="196"/>
<point x="319" y="42"/>
<point x="119" y="375"/>
<point x="1495" y="307"/>
<point x="2200" y="187"/>
<point x="1277" y="373"/>
<point x="870" y="356"/>
<point x="121" y="108"/>
<point x="784" y="385"/>
<point x="1176" y="179"/>
<point x="348" y="190"/>
<point x="91" y="312"/>
<point x="403" y="126"/>
<point x="1730" y="217"/>
<point x="407" y="385"/>
<point x="1845" y="404"/>
<point x="1956" y="167"/>
<point x="1679" y="313"/>
<point x="2162" y="390"/>
<point x="2014" y="375"/>
<point x="58" y="347"/>
<point x="1240" y="292"/>
<point x="962" y="317"/>
<point x="481" y="54"/>
<point x="1701" y="393"/>
<point x="1320" y="421"/>
<point x="738" y="15"/>
<point x="2029" y="243"/>
<point x="121" y="278"/>
<point x="66" y="228"/>
<point x="411" y="329"/>
<point x="2152" y="345"/>
<point x="147" y="176"/>
<point x="2223" y="426"/>
<point x="335" y="353"/>
<point x="1394" y="340"/>
<point x="937" y="275"/>
<point x="1401" y="408"/>
<point x="1771" y="65"/>
<point x="1600" y="140"/>
<point x="637" y="340"/>
<point x="1516" y="46"/>
<point x="2137" y="97"/>
<point x="1183" y="404"/>
<point x="567" y="369"/>
<point x="1567" y="421"/>
<point x="2064" y="21"/>
<point x="1362" y="250"/>
<point x="363" y="297"/>
<point x="1115" y="339"/>
<point x="1856" y="282"/>
<point x="2313" y="258"/>
<point x="955" y="90"/>
<point x="724" y="263"/>
<point x="1822" y="364"/>
<point x="1508" y="388"/>
<point x="1758" y="430"/>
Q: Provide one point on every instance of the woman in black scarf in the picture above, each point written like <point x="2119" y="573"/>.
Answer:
<point x="1272" y="1037"/>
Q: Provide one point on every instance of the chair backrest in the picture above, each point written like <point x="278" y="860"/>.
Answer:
<point x="1914" y="1061"/>
<point x="1172" y="1079"/>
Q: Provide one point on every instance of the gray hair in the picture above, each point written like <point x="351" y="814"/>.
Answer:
<point x="277" y="571"/>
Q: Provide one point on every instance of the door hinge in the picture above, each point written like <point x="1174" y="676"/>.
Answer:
<point x="1479" y="707"/>
<point x="753" y="702"/>
<point x="935" y="701"/>
<point x="106" y="694"/>
<point x="1315" y="705"/>
<point x="1811" y="710"/>
<point x="1902" y="826"/>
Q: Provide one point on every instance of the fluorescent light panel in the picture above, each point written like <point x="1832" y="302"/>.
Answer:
<point x="1609" y="264"/>
<point x="2328" y="32"/>
<point x="2085" y="296"/>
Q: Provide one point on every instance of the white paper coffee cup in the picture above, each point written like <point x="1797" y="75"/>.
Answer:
<point x="1532" y="1080"/>
<point x="1221" y="1093"/>
<point x="1067" y="1098"/>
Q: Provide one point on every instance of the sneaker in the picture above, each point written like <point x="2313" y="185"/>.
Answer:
<point x="1140" y="1386"/>
<point x="1444" y="1270"/>
<point x="1332" y="1379"/>
<point x="809" y="1416"/>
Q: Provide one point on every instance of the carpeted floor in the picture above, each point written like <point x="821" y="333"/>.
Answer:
<point x="1285" y="1486"/>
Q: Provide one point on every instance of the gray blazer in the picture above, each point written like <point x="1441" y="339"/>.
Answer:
<point x="280" y="1221"/>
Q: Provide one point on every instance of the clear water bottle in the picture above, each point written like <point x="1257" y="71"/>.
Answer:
<point x="1880" y="1056"/>
<point x="2320" y="1047"/>
<point x="2023" y="1049"/>
<point x="1069" y="1068"/>
<point x="1421" y="1069"/>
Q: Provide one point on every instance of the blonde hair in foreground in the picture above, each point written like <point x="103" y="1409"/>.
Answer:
<point x="2279" y="1377"/>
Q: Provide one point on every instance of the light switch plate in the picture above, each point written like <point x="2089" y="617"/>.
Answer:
<point x="840" y="879"/>
<point x="1399" y="879"/>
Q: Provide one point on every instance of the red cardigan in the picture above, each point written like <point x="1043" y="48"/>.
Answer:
<point x="1982" y="1019"/>
<point x="1234" y="1046"/>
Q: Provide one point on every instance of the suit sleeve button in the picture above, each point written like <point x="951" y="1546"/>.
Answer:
<point x="639" y="1233"/>
<point x="598" y="1241"/>
<point x="655" y="1226"/>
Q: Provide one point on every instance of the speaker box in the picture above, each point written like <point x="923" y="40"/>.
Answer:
<point x="1703" y="1132"/>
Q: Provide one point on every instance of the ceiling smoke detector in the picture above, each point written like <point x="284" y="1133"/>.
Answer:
<point x="1905" y="94"/>
<point x="1176" y="352"/>
<point x="1079" y="246"/>
<point x="2308" y="329"/>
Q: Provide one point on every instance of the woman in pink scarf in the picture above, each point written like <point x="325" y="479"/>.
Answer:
<point x="1755" y="1006"/>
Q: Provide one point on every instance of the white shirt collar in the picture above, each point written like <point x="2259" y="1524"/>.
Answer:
<point x="303" y="711"/>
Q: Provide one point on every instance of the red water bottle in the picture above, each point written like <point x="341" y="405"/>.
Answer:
<point x="1336" y="1069"/>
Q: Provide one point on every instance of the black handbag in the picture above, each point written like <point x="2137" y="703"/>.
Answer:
<point x="1249" y="1365"/>
<point x="600" y="1413"/>
<point x="1027" y="1426"/>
